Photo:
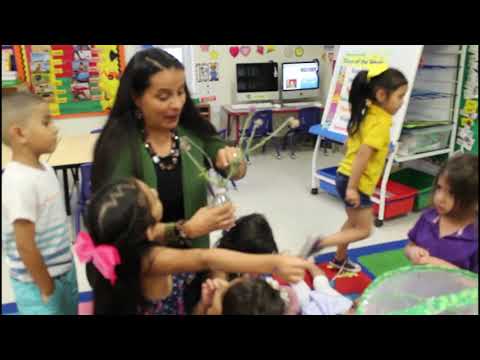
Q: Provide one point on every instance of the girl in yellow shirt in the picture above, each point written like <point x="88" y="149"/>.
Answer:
<point x="374" y="99"/>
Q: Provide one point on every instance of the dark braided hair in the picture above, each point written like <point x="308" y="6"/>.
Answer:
<point x="119" y="214"/>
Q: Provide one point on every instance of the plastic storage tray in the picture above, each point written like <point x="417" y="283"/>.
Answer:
<point x="399" y="198"/>
<point x="416" y="141"/>
<point x="418" y="180"/>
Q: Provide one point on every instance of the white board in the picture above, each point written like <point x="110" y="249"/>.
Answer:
<point x="350" y="60"/>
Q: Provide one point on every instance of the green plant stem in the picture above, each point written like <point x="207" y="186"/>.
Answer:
<point x="264" y="141"/>
<point x="235" y="164"/>
<point x="250" y="139"/>
<point x="199" y="149"/>
<point x="222" y="182"/>
<point x="202" y="170"/>
<point x="246" y="124"/>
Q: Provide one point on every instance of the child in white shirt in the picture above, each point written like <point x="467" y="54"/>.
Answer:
<point x="35" y="235"/>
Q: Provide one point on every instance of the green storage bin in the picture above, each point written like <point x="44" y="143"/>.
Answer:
<point x="418" y="180"/>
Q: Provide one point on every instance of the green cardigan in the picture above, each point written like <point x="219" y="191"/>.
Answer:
<point x="194" y="187"/>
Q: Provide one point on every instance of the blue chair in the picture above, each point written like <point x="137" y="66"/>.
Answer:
<point x="308" y="117"/>
<point x="264" y="130"/>
<point x="223" y="133"/>
<point x="84" y="194"/>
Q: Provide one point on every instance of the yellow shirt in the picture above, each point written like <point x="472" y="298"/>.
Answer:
<point x="374" y="131"/>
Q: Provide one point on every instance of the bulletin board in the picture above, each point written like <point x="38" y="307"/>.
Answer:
<point x="467" y="134"/>
<point x="74" y="79"/>
<point x="9" y="66"/>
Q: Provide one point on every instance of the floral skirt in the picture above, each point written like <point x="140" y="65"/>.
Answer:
<point x="173" y="304"/>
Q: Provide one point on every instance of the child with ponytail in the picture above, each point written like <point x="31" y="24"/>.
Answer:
<point x="375" y="96"/>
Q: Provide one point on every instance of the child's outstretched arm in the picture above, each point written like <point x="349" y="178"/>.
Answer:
<point x="31" y="257"/>
<point x="360" y="162"/>
<point x="169" y="261"/>
<point x="204" y="221"/>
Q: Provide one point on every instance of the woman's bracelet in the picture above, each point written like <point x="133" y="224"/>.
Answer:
<point x="175" y="236"/>
<point x="170" y="233"/>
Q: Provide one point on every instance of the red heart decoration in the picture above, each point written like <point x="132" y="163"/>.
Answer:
<point x="234" y="50"/>
<point x="260" y="49"/>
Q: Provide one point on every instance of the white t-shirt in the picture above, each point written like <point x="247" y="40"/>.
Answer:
<point x="33" y="194"/>
<point x="323" y="300"/>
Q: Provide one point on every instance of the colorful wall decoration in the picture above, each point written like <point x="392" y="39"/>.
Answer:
<point x="74" y="79"/>
<point x="467" y="134"/>
<point x="9" y="67"/>
<point x="207" y="72"/>
<point x="338" y="113"/>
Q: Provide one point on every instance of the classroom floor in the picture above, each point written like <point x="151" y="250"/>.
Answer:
<point x="280" y="189"/>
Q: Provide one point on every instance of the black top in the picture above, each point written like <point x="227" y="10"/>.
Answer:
<point x="170" y="192"/>
<point x="168" y="170"/>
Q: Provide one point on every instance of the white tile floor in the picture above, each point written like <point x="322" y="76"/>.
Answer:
<point x="280" y="189"/>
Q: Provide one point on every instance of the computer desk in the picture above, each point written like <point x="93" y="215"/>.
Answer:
<point x="236" y="114"/>
<point x="71" y="152"/>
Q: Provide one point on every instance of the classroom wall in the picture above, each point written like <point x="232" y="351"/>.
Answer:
<point x="221" y="89"/>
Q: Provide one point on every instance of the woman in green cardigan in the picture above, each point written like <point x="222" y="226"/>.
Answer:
<point x="152" y="110"/>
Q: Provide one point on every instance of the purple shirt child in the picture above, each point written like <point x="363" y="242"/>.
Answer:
<point x="459" y="248"/>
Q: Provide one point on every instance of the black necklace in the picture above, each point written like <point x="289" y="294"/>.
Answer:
<point x="169" y="162"/>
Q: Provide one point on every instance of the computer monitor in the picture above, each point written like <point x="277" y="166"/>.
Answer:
<point x="300" y="80"/>
<point x="257" y="82"/>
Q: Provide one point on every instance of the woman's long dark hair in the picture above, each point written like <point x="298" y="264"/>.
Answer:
<point x="119" y="214"/>
<point x="122" y="125"/>
<point x="363" y="89"/>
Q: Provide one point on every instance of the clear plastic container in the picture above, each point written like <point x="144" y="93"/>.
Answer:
<point x="416" y="141"/>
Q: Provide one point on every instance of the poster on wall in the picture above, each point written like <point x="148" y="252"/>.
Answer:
<point x="338" y="112"/>
<point x="467" y="134"/>
<point x="207" y="72"/>
<point x="350" y="60"/>
<point x="471" y="76"/>
<point x="9" y="66"/>
<point x="213" y="71"/>
<point x="74" y="79"/>
<point x="467" y="137"/>
<point x="202" y="72"/>
<point x="331" y="54"/>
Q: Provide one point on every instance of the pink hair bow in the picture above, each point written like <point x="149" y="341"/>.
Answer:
<point x="104" y="257"/>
